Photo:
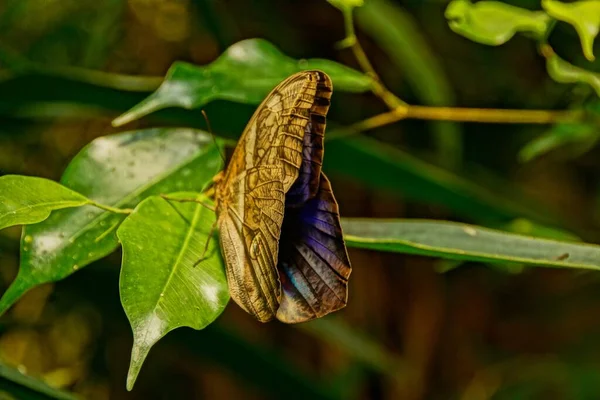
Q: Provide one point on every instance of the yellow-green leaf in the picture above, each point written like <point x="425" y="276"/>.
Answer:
<point x="583" y="15"/>
<point x="563" y="72"/>
<point x="494" y="23"/>
<point x="345" y="5"/>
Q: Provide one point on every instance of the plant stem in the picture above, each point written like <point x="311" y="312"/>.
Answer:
<point x="111" y="209"/>
<point x="480" y="115"/>
<point x="378" y="89"/>
<point x="401" y="110"/>
<point x="487" y="115"/>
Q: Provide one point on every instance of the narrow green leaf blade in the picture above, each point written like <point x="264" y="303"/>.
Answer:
<point x="27" y="387"/>
<point x="161" y="287"/>
<point x="119" y="171"/>
<point x="582" y="136"/>
<point x="466" y="242"/>
<point x="385" y="168"/>
<point x="28" y="200"/>
<point x="583" y="15"/>
<point x="244" y="73"/>
<point x="494" y="23"/>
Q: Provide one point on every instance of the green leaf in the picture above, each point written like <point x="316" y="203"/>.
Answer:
<point x="466" y="242"/>
<point x="161" y="286"/>
<point x="245" y="73"/>
<point x="385" y="168"/>
<point x="26" y="387"/>
<point x="582" y="136"/>
<point x="397" y="33"/>
<point x="346" y="5"/>
<point x="583" y="15"/>
<point x="494" y="23"/>
<point x="28" y="200"/>
<point x="564" y="72"/>
<point x="119" y="171"/>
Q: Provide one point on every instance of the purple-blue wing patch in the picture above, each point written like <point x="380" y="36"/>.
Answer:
<point x="313" y="262"/>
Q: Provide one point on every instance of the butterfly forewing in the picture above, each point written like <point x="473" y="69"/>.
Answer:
<point x="307" y="183"/>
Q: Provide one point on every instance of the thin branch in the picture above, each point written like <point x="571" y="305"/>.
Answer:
<point x="389" y="98"/>
<point x="487" y="115"/>
<point x="480" y="115"/>
<point x="401" y="110"/>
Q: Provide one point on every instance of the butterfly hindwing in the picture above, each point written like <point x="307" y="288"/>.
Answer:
<point x="313" y="262"/>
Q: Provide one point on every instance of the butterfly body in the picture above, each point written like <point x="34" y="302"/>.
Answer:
<point x="272" y="183"/>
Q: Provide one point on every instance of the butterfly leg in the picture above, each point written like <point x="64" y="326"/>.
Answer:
<point x="212" y="228"/>
<point x="166" y="197"/>
<point x="210" y="235"/>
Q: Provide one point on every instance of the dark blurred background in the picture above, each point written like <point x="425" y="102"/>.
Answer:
<point x="423" y="328"/>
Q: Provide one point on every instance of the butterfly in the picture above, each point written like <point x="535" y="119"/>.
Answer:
<point x="279" y="223"/>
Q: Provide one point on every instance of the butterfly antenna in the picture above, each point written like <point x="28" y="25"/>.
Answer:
<point x="213" y="135"/>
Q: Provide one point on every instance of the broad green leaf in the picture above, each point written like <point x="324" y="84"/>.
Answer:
<point x="397" y="33"/>
<point x="28" y="200"/>
<point x="564" y="72"/>
<point x="583" y="15"/>
<point x="245" y="73"/>
<point x="467" y="242"/>
<point x="161" y="286"/>
<point x="26" y="387"/>
<point x="492" y="22"/>
<point x="119" y="171"/>
<point x="582" y="136"/>
<point x="385" y="168"/>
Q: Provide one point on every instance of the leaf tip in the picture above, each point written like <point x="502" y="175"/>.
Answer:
<point x="121" y="120"/>
<point x="145" y="107"/>
<point x="12" y="294"/>
<point x="138" y="355"/>
<point x="131" y="377"/>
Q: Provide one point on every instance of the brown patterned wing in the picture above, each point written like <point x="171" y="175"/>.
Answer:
<point x="249" y="234"/>
<point x="275" y="133"/>
<point x="251" y="196"/>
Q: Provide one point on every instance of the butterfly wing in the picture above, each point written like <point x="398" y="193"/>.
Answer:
<point x="307" y="183"/>
<point x="251" y="196"/>
<point x="313" y="262"/>
<point x="249" y="234"/>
